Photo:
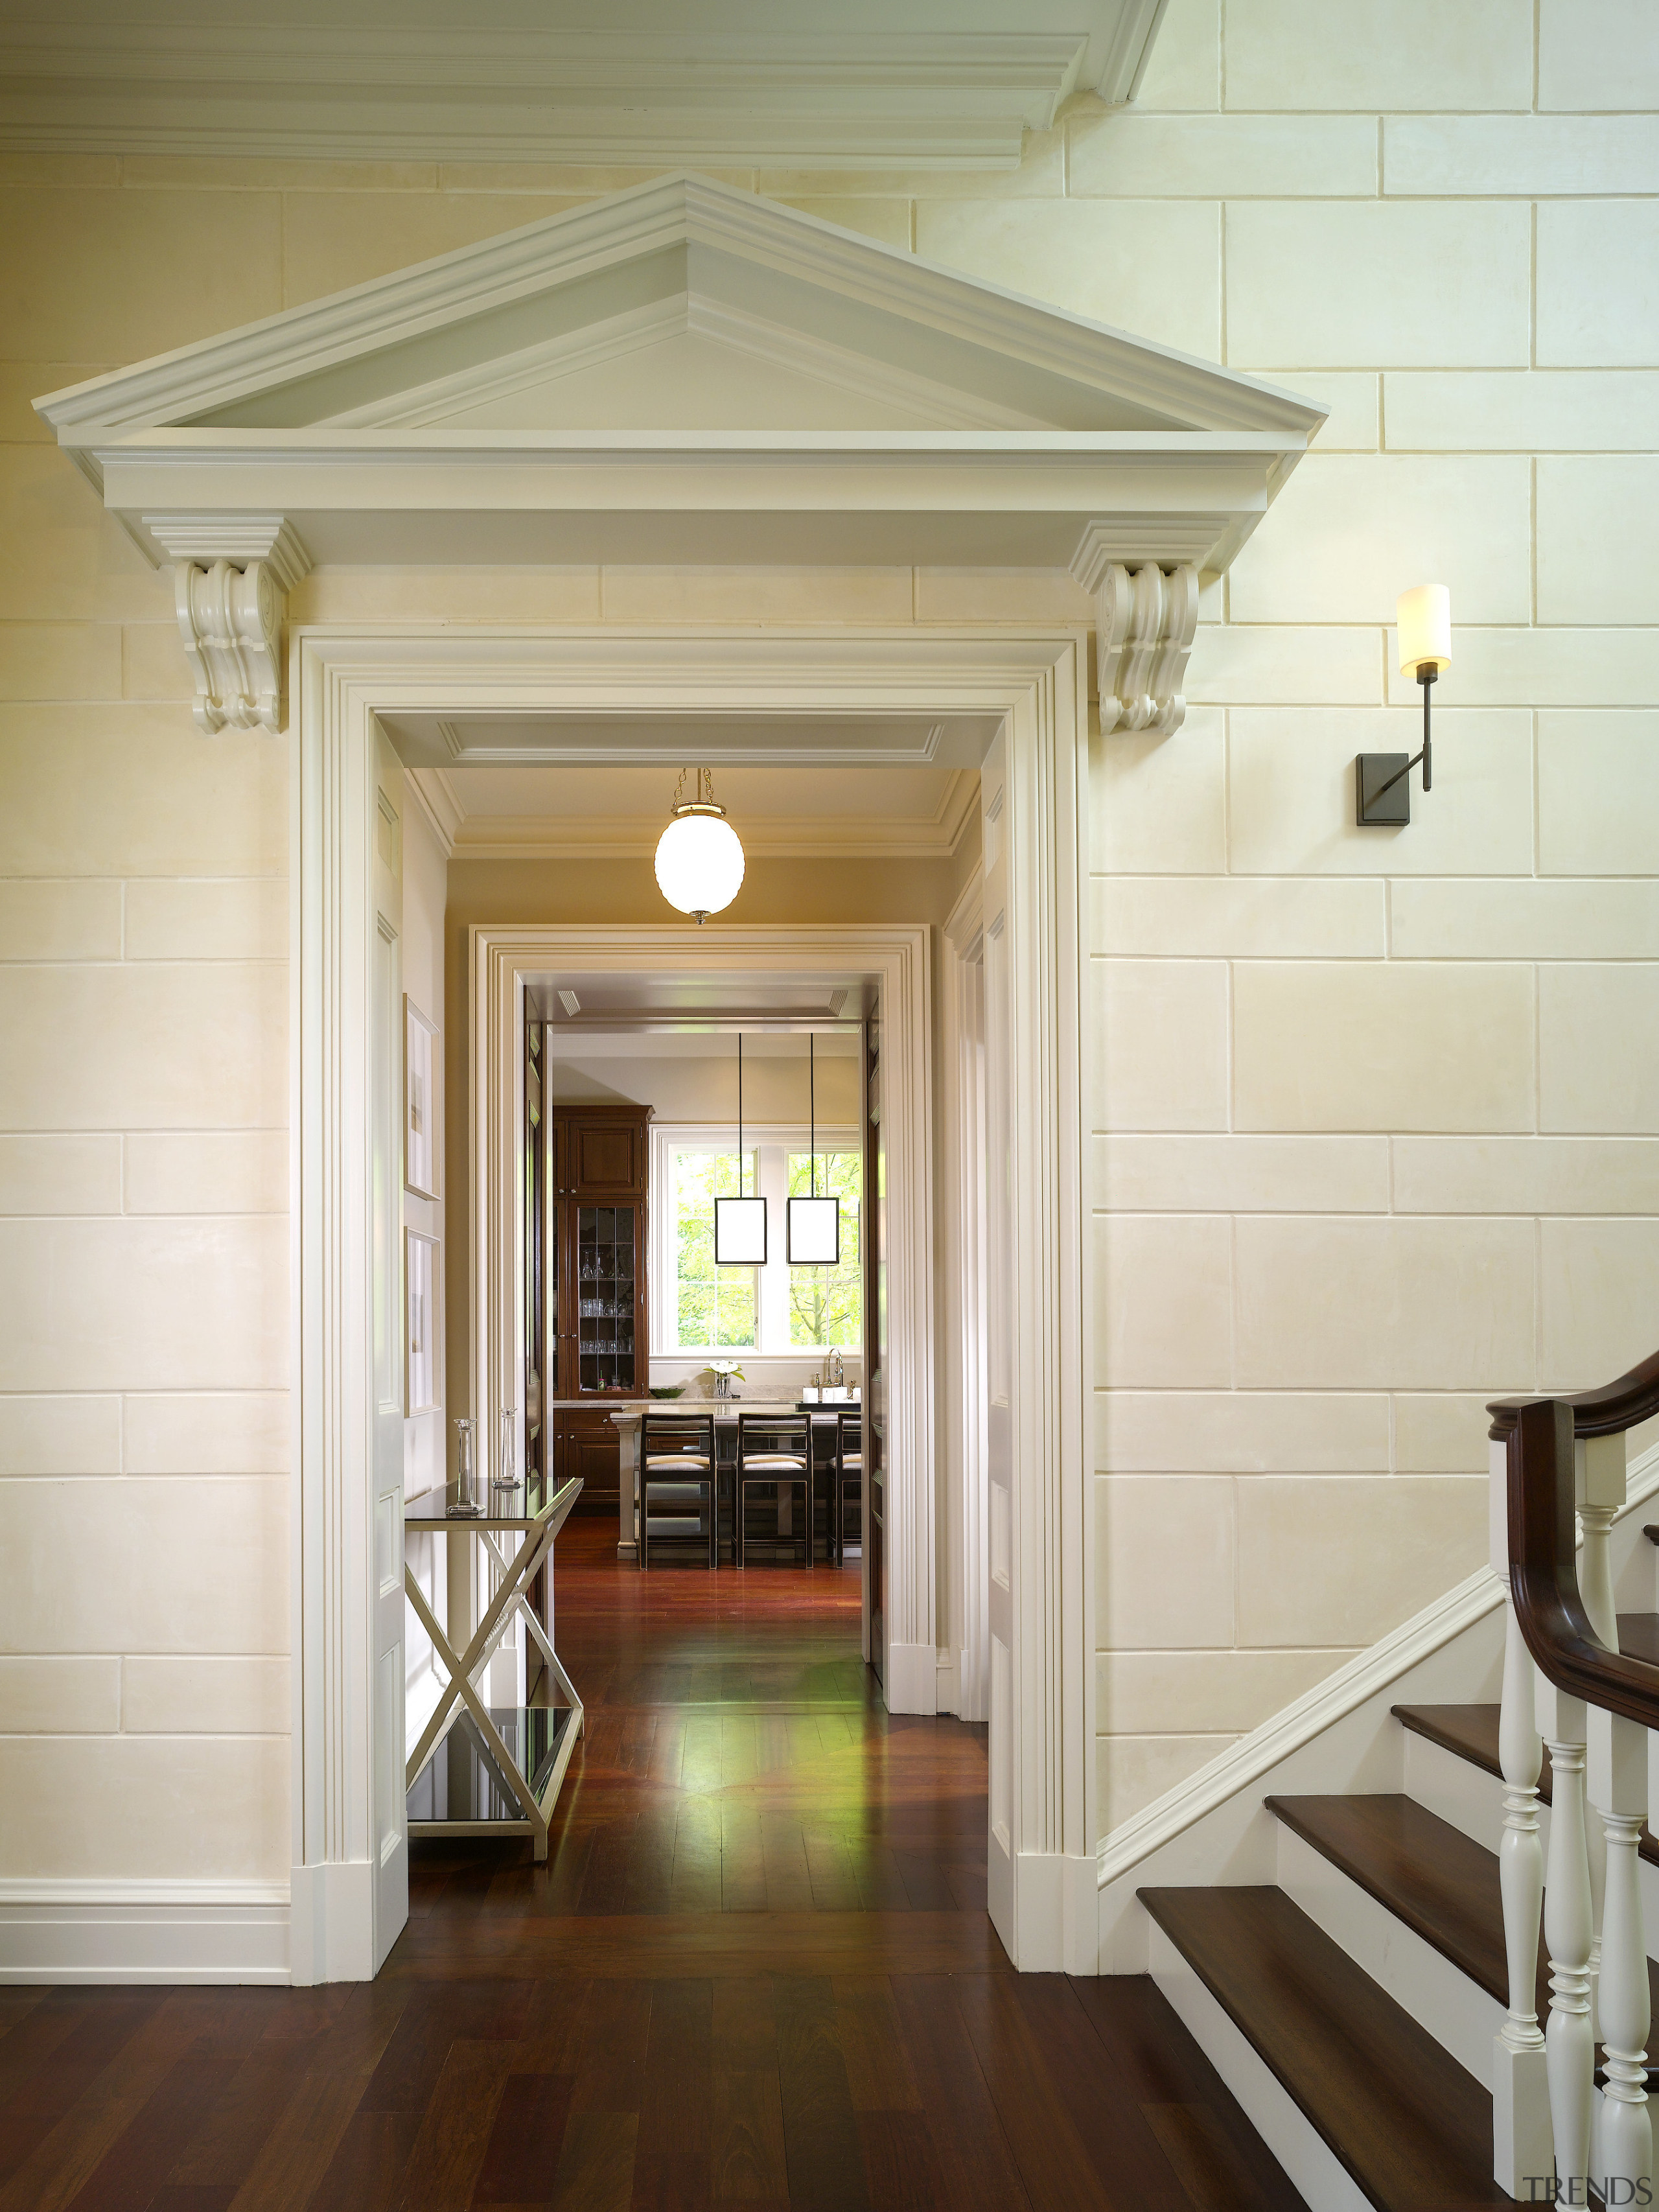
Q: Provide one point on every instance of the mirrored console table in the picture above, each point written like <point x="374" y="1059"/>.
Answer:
<point x="483" y="1769"/>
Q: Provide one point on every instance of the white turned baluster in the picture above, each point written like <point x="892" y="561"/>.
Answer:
<point x="1595" y="1587"/>
<point x="1618" y="1778"/>
<point x="1521" y="2143"/>
<point x="1569" y="1932"/>
<point x="1599" y="1489"/>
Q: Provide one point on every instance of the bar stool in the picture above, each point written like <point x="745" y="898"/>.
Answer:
<point x="677" y="1472"/>
<point x="848" y="1481"/>
<point x="775" y="1450"/>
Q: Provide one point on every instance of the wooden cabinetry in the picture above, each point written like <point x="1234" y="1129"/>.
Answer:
<point x="593" y="1247"/>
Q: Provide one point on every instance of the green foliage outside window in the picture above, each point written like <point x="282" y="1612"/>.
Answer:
<point x="718" y="1306"/>
<point x="826" y="1304"/>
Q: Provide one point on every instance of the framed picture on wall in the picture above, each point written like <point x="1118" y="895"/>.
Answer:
<point x="420" y="1131"/>
<point x="421" y="1274"/>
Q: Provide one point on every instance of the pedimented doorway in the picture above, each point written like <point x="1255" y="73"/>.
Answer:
<point x="655" y="442"/>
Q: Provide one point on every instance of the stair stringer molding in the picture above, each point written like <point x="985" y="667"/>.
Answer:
<point x="1339" y="1738"/>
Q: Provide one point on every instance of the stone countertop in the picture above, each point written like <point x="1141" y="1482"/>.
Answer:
<point x="696" y="1405"/>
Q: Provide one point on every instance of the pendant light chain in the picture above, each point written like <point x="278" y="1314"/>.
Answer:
<point x="811" y="1116"/>
<point x="739" y="1113"/>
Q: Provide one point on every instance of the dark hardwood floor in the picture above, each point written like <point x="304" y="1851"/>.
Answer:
<point x="755" y="1970"/>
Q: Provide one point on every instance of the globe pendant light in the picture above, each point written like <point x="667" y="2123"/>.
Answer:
<point x="813" y="1223"/>
<point x="699" y="855"/>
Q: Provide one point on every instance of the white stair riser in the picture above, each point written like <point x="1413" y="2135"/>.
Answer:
<point x="1472" y="1800"/>
<point x="1459" y="2016"/>
<point x="1324" y="2183"/>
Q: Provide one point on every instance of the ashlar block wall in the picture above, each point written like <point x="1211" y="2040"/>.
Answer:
<point x="1378" y="1114"/>
<point x="1376" y="1110"/>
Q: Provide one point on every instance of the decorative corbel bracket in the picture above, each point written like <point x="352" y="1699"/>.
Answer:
<point x="1145" y="618"/>
<point x="232" y="576"/>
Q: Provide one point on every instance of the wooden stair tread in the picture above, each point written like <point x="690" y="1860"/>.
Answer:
<point x="1428" y="1874"/>
<point x="1411" y="2127"/>
<point x="1470" y="1732"/>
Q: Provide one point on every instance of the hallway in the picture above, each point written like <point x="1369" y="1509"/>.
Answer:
<point x="755" y="1969"/>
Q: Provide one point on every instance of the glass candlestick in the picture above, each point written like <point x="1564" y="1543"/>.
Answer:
<point x="506" y="1474"/>
<point x="468" y="1505"/>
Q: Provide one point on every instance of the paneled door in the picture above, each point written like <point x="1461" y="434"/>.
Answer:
<point x="999" y="1334"/>
<point x="389" y="1827"/>
<point x="875" y="1354"/>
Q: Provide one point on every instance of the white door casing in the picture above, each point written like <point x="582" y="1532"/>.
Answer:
<point x="1036" y="683"/>
<point x="964" y="1665"/>
<point x="894" y="963"/>
<point x="389" y="1828"/>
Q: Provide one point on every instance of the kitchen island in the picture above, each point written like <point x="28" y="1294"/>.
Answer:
<point x="629" y="1419"/>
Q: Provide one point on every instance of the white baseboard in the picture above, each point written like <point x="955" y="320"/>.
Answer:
<point x="948" y="1694"/>
<point x="912" y="1684"/>
<point x="333" y="1930"/>
<point x="1314" y="2169"/>
<point x="1056" y="1913"/>
<point x="139" y="1931"/>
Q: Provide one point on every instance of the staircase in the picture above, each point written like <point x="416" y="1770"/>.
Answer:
<point x="1359" y="2005"/>
<point x="1387" y="1914"/>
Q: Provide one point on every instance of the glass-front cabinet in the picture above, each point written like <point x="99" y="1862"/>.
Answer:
<point x="607" y="1293"/>
<point x="587" y="1279"/>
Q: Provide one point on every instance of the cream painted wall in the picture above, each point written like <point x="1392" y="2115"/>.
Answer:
<point x="1377" y="1112"/>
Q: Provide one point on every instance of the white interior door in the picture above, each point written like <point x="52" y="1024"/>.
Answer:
<point x="998" y="1408"/>
<point x="390" y="1827"/>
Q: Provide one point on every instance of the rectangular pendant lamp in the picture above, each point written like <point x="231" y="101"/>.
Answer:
<point x="813" y="1224"/>
<point x="740" y="1223"/>
<point x="739" y="1233"/>
<point x="814" y="1232"/>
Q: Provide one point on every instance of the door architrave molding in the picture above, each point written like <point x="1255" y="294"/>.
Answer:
<point x="1036" y="680"/>
<point x="499" y="959"/>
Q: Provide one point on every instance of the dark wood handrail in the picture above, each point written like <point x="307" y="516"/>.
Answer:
<point x="1621" y="1405"/>
<point x="1544" y="1565"/>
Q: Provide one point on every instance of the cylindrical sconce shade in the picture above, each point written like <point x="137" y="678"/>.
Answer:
<point x="1424" y="616"/>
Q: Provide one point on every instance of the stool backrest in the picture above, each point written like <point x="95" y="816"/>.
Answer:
<point x="692" y="1433"/>
<point x="775" y="1432"/>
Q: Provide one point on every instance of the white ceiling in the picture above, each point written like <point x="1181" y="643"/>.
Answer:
<point x="940" y="84"/>
<point x="698" y="1006"/>
<point x="576" y="1041"/>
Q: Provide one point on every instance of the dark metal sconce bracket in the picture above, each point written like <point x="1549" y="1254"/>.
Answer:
<point x="1382" y="781"/>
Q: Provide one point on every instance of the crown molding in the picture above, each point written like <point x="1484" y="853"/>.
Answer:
<point x="934" y="95"/>
<point x="431" y="791"/>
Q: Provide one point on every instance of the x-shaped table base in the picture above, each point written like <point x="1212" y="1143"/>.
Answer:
<point x="464" y="1669"/>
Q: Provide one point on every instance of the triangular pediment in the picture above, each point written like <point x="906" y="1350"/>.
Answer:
<point x="684" y="373"/>
<point x="682" y="305"/>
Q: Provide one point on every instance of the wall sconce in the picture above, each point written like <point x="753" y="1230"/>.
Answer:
<point x="1383" y="790"/>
